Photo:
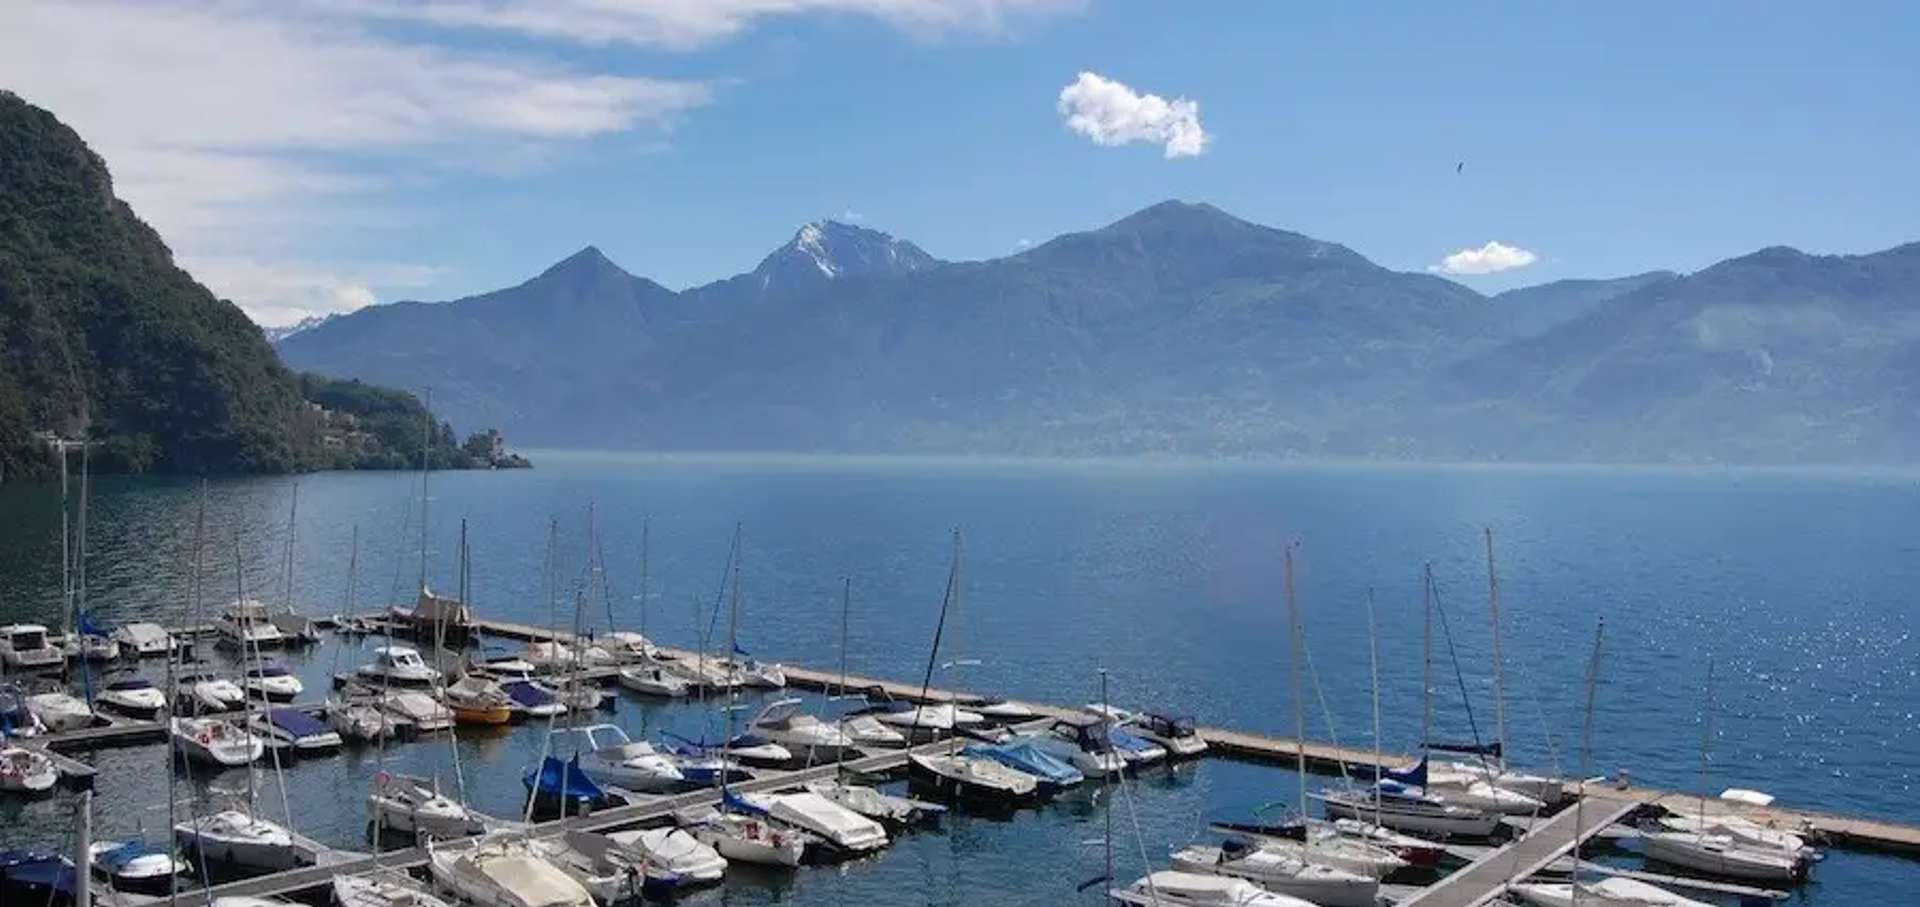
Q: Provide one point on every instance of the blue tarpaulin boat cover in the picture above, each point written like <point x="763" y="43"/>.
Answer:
<point x="564" y="779"/>
<point x="26" y="872"/>
<point x="296" y="722"/>
<point x="1030" y="757"/>
<point x="527" y="694"/>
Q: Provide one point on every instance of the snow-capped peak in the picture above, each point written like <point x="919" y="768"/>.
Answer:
<point x="830" y="250"/>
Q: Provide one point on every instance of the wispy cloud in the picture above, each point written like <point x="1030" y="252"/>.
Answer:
<point x="1110" y="113"/>
<point x="687" y="24"/>
<point x="241" y="131"/>
<point x="1491" y="258"/>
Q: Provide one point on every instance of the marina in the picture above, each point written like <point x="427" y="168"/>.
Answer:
<point x="1539" y="846"/>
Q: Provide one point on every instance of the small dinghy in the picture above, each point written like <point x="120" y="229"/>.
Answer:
<point x="25" y="771"/>
<point x="972" y="778"/>
<point x="614" y="759"/>
<point x="142" y="639"/>
<point x="273" y="682"/>
<point x="887" y="809"/>
<point x="650" y="679"/>
<point x="842" y="832"/>
<point x="239" y="839"/>
<point x="673" y="856"/>
<point x="294" y="731"/>
<point x="134" y="697"/>
<point x="505" y="870"/>
<point x="137" y="866"/>
<point x="414" y="806"/>
<point x="1024" y="754"/>
<point x="213" y="741"/>
<point x="384" y="888"/>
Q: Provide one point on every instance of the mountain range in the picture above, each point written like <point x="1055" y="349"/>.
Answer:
<point x="1177" y="330"/>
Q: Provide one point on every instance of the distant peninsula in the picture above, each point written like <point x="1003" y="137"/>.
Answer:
<point x="104" y="339"/>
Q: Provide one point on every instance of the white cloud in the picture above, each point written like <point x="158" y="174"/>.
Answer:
<point x="1023" y="243"/>
<point x="286" y="292"/>
<point x="851" y="216"/>
<point x="246" y="131"/>
<point x="1491" y="258"/>
<point x="686" y="24"/>
<point x="1110" y="113"/>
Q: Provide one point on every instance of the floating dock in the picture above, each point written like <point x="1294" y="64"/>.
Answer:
<point x="1487" y="878"/>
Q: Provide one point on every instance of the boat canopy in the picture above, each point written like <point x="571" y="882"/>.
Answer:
<point x="1167" y="725"/>
<point x="1128" y="742"/>
<point x="38" y="871"/>
<point x="297" y="722"/>
<point x="119" y="857"/>
<point x="247" y="608"/>
<point x="526" y="694"/>
<point x="564" y="779"/>
<point x="1089" y="732"/>
<point x="779" y="711"/>
<point x="1470" y="749"/>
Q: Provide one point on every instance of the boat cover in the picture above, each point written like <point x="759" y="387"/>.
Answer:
<point x="1030" y="757"/>
<point x="272" y="669"/>
<point x="118" y="858"/>
<point x="526" y="694"/>
<point x="1412" y="777"/>
<point x="1129" y="743"/>
<point x="297" y="722"/>
<point x="1471" y="749"/>
<point x="137" y="683"/>
<point x="36" y="872"/>
<point x="564" y="779"/>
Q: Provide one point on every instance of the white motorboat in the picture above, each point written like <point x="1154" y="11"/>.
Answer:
<point x="415" y="806"/>
<point x="745" y="838"/>
<point x="760" y="675"/>
<point x="967" y="777"/>
<point x="215" y="742"/>
<point x="237" y="838"/>
<point x="384" y="888"/>
<point x="1740" y="828"/>
<point x="614" y="759"/>
<point x="754" y="749"/>
<point x="1487" y="797"/>
<point x="397" y="666"/>
<point x="505" y="669"/>
<point x="868" y="731"/>
<point x="672" y="853"/>
<point x="1406" y="808"/>
<point x="1722" y="856"/>
<point x="1614" y="892"/>
<point x="199" y="691"/>
<point x="596" y="863"/>
<point x="996" y="710"/>
<point x="246" y="624"/>
<point x="1281" y="872"/>
<point x="628" y="647"/>
<point x="1137" y="751"/>
<point x="418" y="709"/>
<point x="555" y="657"/>
<point x="136" y="866"/>
<point x="1172" y="888"/>
<point x="93" y="647"/>
<point x="650" y="679"/>
<point x="134" y="697"/>
<point x="505" y="870"/>
<point x="1175" y="734"/>
<point x="143" y="638"/>
<point x="577" y="695"/>
<point x="1083" y="740"/>
<point x="805" y="736"/>
<point x="273" y="682"/>
<point x="26" y="771"/>
<point x="25" y="647"/>
<point x="294" y="731"/>
<point x="926" y="721"/>
<point x="1340" y="852"/>
<point x="872" y="803"/>
<point x="842" y="829"/>
<point x="58" y="709"/>
<point x="361" y="719"/>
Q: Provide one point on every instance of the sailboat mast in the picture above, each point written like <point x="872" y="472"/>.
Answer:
<point x="846" y="611"/>
<point x="1299" y="708"/>
<point x="1499" y="666"/>
<point x="1706" y="739"/>
<point x="1373" y="672"/>
<point x="293" y="523"/>
<point x="426" y="467"/>
<point x="1106" y="723"/>
<point x="66" y="548"/>
<point x="246" y="631"/>
<point x="1586" y="753"/>
<point x="646" y="531"/>
<point x="1426" y="661"/>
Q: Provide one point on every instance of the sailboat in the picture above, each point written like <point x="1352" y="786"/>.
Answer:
<point x="446" y="621"/>
<point x="383" y="888"/>
<point x="990" y="708"/>
<point x="236" y="837"/>
<point x="1173" y="888"/>
<point x="415" y="806"/>
<point x="1699" y="847"/>
<point x="475" y="699"/>
<point x="1288" y="867"/>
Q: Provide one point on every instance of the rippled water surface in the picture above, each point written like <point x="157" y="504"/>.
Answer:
<point x="1800" y="587"/>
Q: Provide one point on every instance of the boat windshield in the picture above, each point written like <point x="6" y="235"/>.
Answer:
<point x="28" y="639"/>
<point x="269" y="671"/>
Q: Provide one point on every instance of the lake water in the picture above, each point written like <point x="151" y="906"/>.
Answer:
<point x="1799" y="587"/>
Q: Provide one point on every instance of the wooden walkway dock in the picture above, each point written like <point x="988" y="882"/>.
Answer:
<point x="1487" y="878"/>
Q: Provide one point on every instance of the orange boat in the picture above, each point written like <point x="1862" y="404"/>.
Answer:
<point x="477" y="700"/>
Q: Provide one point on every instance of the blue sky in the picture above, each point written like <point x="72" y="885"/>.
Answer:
<point x="335" y="154"/>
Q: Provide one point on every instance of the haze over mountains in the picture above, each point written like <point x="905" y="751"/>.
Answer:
<point x="1177" y="330"/>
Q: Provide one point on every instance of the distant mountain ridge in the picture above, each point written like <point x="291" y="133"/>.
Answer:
<point x="1179" y="329"/>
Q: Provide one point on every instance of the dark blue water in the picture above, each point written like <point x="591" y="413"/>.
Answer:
<point x="1797" y="585"/>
